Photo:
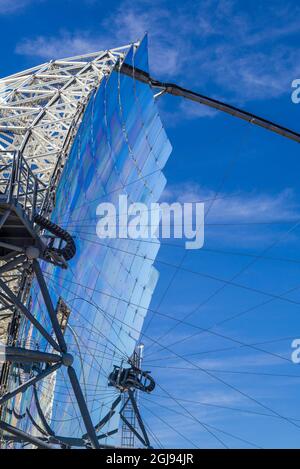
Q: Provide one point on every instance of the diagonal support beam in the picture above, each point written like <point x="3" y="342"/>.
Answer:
<point x="83" y="408"/>
<point x="51" y="369"/>
<point x="133" y="430"/>
<point x="15" y="300"/>
<point x="23" y="436"/>
<point x="4" y="217"/>
<point x="48" y="302"/>
<point x="12" y="264"/>
<point x="143" y="439"/>
<point x="107" y="417"/>
<point x="110" y="433"/>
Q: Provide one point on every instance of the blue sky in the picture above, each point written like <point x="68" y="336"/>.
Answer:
<point x="245" y="53"/>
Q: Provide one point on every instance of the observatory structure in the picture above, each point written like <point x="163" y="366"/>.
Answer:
<point x="74" y="133"/>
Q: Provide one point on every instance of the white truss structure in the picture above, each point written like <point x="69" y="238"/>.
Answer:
<point x="40" y="112"/>
<point x="41" y="108"/>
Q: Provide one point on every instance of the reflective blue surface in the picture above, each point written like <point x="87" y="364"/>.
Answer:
<point x="120" y="148"/>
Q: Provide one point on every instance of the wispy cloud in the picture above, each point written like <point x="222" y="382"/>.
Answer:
<point x="252" y="211"/>
<point x="242" y="207"/>
<point x="212" y="42"/>
<point x="188" y="109"/>
<point x="66" y="43"/>
<point x="12" y="6"/>
<point x="127" y="24"/>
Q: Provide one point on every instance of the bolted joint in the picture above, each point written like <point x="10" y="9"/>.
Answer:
<point x="67" y="359"/>
<point x="32" y="252"/>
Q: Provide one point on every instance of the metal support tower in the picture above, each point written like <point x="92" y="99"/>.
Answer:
<point x="128" y="438"/>
<point x="129" y="381"/>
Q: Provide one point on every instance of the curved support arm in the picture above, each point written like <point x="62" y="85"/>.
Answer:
<point x="177" y="90"/>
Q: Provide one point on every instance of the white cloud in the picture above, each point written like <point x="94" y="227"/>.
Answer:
<point x="66" y="44"/>
<point x="184" y="109"/>
<point x="193" y="110"/>
<point x="249" y="362"/>
<point x="124" y="26"/>
<point x="201" y="43"/>
<point x="243" y="207"/>
<point x="243" y="217"/>
<point x="251" y="75"/>
<point x="11" y="6"/>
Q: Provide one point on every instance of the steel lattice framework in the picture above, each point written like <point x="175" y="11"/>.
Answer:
<point x="41" y="108"/>
<point x="40" y="112"/>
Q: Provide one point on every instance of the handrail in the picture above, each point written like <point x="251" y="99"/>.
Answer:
<point x="19" y="182"/>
